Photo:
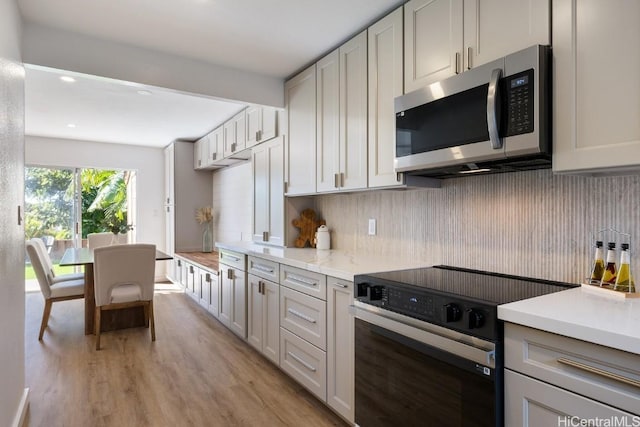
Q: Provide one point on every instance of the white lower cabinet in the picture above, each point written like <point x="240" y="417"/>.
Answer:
<point x="192" y="281"/>
<point x="305" y="362"/>
<point x="340" y="348"/>
<point x="209" y="291"/>
<point x="555" y="380"/>
<point x="305" y="316"/>
<point x="233" y="292"/>
<point x="533" y="403"/>
<point x="263" y="325"/>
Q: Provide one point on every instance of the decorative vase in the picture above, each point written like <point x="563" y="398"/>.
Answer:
<point x="207" y="240"/>
<point x="114" y="239"/>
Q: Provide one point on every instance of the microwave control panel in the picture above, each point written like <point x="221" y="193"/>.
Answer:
<point x="519" y="103"/>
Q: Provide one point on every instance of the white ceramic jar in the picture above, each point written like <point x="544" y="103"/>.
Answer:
<point x="323" y="241"/>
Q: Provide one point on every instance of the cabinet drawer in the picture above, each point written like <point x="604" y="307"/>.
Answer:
<point x="308" y="282"/>
<point x="233" y="259"/>
<point x="305" y="363"/>
<point x="600" y="373"/>
<point x="264" y="268"/>
<point x="305" y="316"/>
<point x="532" y="403"/>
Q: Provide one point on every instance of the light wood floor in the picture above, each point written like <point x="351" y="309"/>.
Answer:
<point x="197" y="373"/>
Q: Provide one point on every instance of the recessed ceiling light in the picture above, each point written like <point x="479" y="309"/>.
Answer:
<point x="71" y="125"/>
<point x="67" y="79"/>
<point x="144" y="92"/>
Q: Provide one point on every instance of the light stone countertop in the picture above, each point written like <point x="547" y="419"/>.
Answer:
<point x="581" y="314"/>
<point x="336" y="263"/>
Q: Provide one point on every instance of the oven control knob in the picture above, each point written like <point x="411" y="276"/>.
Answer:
<point x="452" y="312"/>
<point x="476" y="319"/>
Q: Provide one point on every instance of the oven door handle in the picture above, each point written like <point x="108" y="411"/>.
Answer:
<point x="484" y="356"/>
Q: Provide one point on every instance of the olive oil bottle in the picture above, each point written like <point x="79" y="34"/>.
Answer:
<point x="609" y="275"/>
<point x="624" y="281"/>
<point x="598" y="264"/>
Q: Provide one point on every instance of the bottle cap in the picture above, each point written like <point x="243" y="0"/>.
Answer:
<point x="612" y="245"/>
<point x="598" y="243"/>
<point x="624" y="246"/>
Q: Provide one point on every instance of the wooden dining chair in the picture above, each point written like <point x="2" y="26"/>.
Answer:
<point x="124" y="277"/>
<point x="52" y="291"/>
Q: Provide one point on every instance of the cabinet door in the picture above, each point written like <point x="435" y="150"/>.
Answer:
<point x="432" y="41"/>
<point x="353" y="113"/>
<point x="255" y="315"/>
<point x="214" y="303"/>
<point x="385" y="83"/>
<point x="193" y="282"/>
<point x="269" y="124"/>
<point x="300" y="161"/>
<point x="253" y="125"/>
<point x="495" y="28"/>
<point x="169" y="228"/>
<point x="340" y="347"/>
<point x="229" y="137"/>
<point x="226" y="289"/>
<point x="533" y="403"/>
<point x="239" y="303"/>
<point x="216" y="144"/>
<point x="596" y="93"/>
<point x="169" y="174"/>
<point x="271" y="320"/>
<point x="197" y="154"/>
<point x="275" y="155"/>
<point x="240" y="133"/>
<point x="260" y="166"/>
<point x="206" y="281"/>
<point x="328" y="122"/>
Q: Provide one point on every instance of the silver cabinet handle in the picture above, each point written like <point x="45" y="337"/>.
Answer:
<point x="265" y="236"/>
<point x="261" y="267"/>
<point x="601" y="372"/>
<point x="230" y="274"/>
<point x="492" y="105"/>
<point x="302" y="316"/>
<point x="335" y="180"/>
<point x="302" y="362"/>
<point x="232" y="258"/>
<point x="340" y="285"/>
<point x="341" y="179"/>
<point x="301" y="280"/>
<point x="457" y="62"/>
<point x="469" y="58"/>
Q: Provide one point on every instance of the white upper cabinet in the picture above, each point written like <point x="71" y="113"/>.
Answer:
<point x="300" y="151"/>
<point x="385" y="83"/>
<point x="261" y="124"/>
<point x="341" y="133"/>
<point x="234" y="134"/>
<point x="268" y="192"/>
<point x="216" y="144"/>
<point x="446" y="37"/>
<point x="200" y="153"/>
<point x="596" y="126"/>
<point x="495" y="28"/>
<point x="432" y="42"/>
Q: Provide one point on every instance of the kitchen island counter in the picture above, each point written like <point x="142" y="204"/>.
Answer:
<point x="581" y="314"/>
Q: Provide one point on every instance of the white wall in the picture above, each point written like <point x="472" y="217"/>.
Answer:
<point x="147" y="162"/>
<point x="13" y="395"/>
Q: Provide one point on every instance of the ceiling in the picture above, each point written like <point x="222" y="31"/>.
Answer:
<point x="269" y="37"/>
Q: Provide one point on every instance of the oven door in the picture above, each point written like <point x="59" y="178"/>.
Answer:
<point x="406" y="376"/>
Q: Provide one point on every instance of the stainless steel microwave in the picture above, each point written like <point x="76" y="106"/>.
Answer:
<point x="493" y="118"/>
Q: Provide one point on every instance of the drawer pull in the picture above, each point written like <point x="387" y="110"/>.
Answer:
<point x="261" y="267"/>
<point x="601" y="372"/>
<point x="232" y="258"/>
<point x="302" y="280"/>
<point x="302" y="362"/>
<point x="302" y="316"/>
<point x="340" y="285"/>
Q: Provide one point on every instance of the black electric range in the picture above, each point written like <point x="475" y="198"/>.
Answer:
<point x="455" y="298"/>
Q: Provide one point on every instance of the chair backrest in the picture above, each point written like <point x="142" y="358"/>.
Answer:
<point x="45" y="258"/>
<point x="98" y="240"/>
<point x="39" y="267"/>
<point x="119" y="265"/>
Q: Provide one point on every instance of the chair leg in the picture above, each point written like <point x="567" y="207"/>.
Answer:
<point x="146" y="315"/>
<point x="152" y="322"/>
<point x="96" y="320"/>
<point x="45" y="317"/>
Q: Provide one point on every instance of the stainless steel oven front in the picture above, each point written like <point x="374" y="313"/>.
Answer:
<point x="413" y="373"/>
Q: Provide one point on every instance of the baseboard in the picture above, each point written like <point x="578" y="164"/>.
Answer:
<point x="22" y="409"/>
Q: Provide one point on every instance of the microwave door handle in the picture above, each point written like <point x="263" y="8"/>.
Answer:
<point x="493" y="95"/>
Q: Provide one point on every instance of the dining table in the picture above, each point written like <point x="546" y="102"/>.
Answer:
<point x="111" y="319"/>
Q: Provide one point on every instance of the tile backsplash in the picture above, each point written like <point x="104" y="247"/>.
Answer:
<point x="532" y="223"/>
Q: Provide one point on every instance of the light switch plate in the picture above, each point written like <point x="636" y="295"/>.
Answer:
<point x="372" y="227"/>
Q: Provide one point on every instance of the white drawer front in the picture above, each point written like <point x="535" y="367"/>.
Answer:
<point x="584" y="368"/>
<point x="264" y="268"/>
<point x="308" y="282"/>
<point x="304" y="362"/>
<point x="233" y="259"/>
<point x="305" y="316"/>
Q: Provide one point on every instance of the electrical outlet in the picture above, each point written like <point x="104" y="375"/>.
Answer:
<point x="372" y="227"/>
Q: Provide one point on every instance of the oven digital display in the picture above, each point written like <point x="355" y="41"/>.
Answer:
<point x="519" y="81"/>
